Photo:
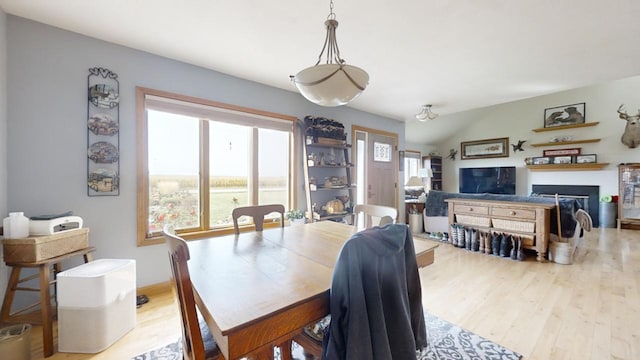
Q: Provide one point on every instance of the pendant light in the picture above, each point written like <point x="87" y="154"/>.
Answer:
<point x="333" y="83"/>
<point x="426" y="114"/>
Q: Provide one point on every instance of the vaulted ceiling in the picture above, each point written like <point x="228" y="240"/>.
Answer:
<point x="456" y="55"/>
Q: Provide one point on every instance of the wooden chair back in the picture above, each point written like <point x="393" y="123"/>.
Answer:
<point x="193" y="346"/>
<point x="375" y="215"/>
<point x="258" y="213"/>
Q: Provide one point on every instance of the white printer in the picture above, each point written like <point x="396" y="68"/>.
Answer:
<point x="55" y="225"/>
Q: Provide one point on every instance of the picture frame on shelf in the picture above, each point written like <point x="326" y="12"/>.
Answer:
<point x="565" y="115"/>
<point x="562" y="159"/>
<point x="561" y="152"/>
<point x="488" y="148"/>
<point x="541" y="160"/>
<point x="586" y="159"/>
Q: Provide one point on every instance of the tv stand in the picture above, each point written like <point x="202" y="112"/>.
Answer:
<point x="529" y="220"/>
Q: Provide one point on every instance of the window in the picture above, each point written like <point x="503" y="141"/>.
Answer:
<point x="201" y="159"/>
<point x="411" y="164"/>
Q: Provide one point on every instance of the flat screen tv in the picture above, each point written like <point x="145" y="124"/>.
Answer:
<point x="494" y="180"/>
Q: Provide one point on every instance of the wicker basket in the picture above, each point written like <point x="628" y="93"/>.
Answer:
<point x="473" y="220"/>
<point x="512" y="225"/>
<point x="37" y="248"/>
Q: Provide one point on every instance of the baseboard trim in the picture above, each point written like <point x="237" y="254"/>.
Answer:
<point x="154" y="289"/>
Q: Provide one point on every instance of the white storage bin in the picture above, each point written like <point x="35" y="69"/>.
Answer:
<point x="96" y="305"/>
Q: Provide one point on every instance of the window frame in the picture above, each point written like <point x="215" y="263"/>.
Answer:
<point x="143" y="236"/>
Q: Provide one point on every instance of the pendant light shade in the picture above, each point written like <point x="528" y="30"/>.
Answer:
<point x="426" y="113"/>
<point x="331" y="84"/>
<point x="334" y="83"/>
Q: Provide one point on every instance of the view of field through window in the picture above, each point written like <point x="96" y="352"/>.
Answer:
<point x="173" y="163"/>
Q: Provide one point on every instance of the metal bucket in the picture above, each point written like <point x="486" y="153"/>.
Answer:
<point x="608" y="214"/>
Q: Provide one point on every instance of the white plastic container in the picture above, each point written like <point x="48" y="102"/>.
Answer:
<point x="16" y="226"/>
<point x="96" y="305"/>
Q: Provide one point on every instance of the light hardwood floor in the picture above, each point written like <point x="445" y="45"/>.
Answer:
<point x="587" y="310"/>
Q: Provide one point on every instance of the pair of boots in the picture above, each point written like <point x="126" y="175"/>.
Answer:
<point x="454" y="236"/>
<point x="458" y="235"/>
<point x="471" y="240"/>
<point x="517" y="252"/>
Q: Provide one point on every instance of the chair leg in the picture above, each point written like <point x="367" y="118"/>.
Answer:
<point x="285" y="350"/>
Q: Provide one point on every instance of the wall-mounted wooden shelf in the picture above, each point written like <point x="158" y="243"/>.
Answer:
<point x="558" y="143"/>
<point x="568" y="167"/>
<point x="564" y="127"/>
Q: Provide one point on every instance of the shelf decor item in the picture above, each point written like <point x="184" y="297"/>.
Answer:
<point x="103" y="139"/>
<point x="564" y="115"/>
<point x="586" y="159"/>
<point x="489" y="148"/>
<point x="561" y="152"/>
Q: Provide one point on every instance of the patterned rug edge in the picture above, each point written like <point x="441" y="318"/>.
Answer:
<point x="446" y="341"/>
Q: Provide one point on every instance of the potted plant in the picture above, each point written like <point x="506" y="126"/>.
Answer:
<point x="295" y="216"/>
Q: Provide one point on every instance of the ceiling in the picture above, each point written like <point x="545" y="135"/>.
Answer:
<point x="457" y="55"/>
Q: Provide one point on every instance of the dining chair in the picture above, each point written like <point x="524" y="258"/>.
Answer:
<point x="383" y="214"/>
<point x="258" y="213"/>
<point x="197" y="341"/>
<point x="376" y="298"/>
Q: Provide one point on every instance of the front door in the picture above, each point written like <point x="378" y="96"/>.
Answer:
<point x="376" y="164"/>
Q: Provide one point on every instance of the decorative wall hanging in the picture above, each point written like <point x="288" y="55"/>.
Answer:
<point x="518" y="147"/>
<point x="564" y="115"/>
<point x="480" y="149"/>
<point x="103" y="133"/>
<point x="631" y="135"/>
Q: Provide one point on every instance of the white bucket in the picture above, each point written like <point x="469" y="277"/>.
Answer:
<point x="16" y="226"/>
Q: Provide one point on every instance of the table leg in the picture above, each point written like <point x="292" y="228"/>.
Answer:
<point x="45" y="304"/>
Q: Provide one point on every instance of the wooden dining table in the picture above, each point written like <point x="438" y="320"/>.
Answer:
<point x="257" y="290"/>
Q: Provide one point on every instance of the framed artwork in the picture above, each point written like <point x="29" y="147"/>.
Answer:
<point x="562" y="160"/>
<point x="586" y="159"/>
<point x="489" y="148"/>
<point x="103" y="129"/>
<point x="542" y="160"/>
<point x="561" y="152"/>
<point x="564" y="115"/>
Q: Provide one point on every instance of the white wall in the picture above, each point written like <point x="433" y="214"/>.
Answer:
<point x="3" y="138"/>
<point x="47" y="93"/>
<point x="517" y="120"/>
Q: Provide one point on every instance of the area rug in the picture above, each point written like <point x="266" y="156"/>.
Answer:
<point x="446" y="342"/>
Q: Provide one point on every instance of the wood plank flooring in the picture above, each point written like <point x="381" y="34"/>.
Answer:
<point x="587" y="310"/>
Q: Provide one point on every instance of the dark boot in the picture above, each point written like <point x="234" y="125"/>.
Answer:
<point x="514" y="246"/>
<point x="467" y="238"/>
<point x="481" y="236"/>
<point x="495" y="244"/>
<point x="475" y="240"/>
<point x="505" y="245"/>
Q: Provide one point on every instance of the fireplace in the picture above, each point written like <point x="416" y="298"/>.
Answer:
<point x="587" y="195"/>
